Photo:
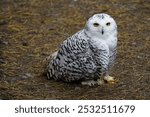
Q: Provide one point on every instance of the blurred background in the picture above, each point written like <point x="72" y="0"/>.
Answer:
<point x="30" y="30"/>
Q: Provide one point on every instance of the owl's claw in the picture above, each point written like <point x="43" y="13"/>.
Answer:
<point x="109" y="79"/>
<point x="89" y="82"/>
<point x="100" y="81"/>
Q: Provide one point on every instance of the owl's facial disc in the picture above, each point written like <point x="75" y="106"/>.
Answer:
<point x="101" y="25"/>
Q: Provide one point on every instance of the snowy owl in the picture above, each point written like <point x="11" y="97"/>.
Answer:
<point x="88" y="55"/>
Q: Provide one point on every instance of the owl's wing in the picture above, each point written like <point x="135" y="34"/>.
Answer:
<point x="73" y="60"/>
<point x="74" y="46"/>
<point x="101" y="56"/>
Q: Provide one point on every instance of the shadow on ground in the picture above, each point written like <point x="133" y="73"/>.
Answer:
<point x="31" y="30"/>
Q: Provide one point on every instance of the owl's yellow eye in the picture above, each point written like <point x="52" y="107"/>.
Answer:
<point x="108" y="24"/>
<point x="96" y="24"/>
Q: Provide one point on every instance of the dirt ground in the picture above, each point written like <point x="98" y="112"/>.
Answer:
<point x="30" y="30"/>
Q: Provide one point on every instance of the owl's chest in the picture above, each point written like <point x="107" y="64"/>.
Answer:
<point x="108" y="44"/>
<point x="111" y="42"/>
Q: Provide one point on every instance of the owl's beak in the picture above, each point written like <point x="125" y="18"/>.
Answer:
<point x="102" y="31"/>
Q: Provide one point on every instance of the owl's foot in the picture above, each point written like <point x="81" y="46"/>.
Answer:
<point x="89" y="82"/>
<point x="109" y="79"/>
<point x="100" y="81"/>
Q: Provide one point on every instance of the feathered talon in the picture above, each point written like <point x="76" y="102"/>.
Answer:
<point x="100" y="81"/>
<point x="109" y="79"/>
<point x="89" y="82"/>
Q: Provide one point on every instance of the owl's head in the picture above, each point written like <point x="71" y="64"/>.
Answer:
<point x="101" y="25"/>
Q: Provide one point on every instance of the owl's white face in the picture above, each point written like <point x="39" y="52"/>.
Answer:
<point x="101" y="25"/>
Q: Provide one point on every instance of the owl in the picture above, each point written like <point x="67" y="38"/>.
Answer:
<point x="88" y="55"/>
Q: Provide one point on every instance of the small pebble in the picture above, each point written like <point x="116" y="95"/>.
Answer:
<point x="3" y="22"/>
<point x="27" y="75"/>
<point x="3" y="42"/>
<point x="134" y="43"/>
<point x="2" y="60"/>
<point x="24" y="43"/>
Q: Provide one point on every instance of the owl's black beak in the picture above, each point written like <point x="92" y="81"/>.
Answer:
<point x="102" y="31"/>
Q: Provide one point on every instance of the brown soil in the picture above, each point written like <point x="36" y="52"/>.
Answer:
<point x="30" y="30"/>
